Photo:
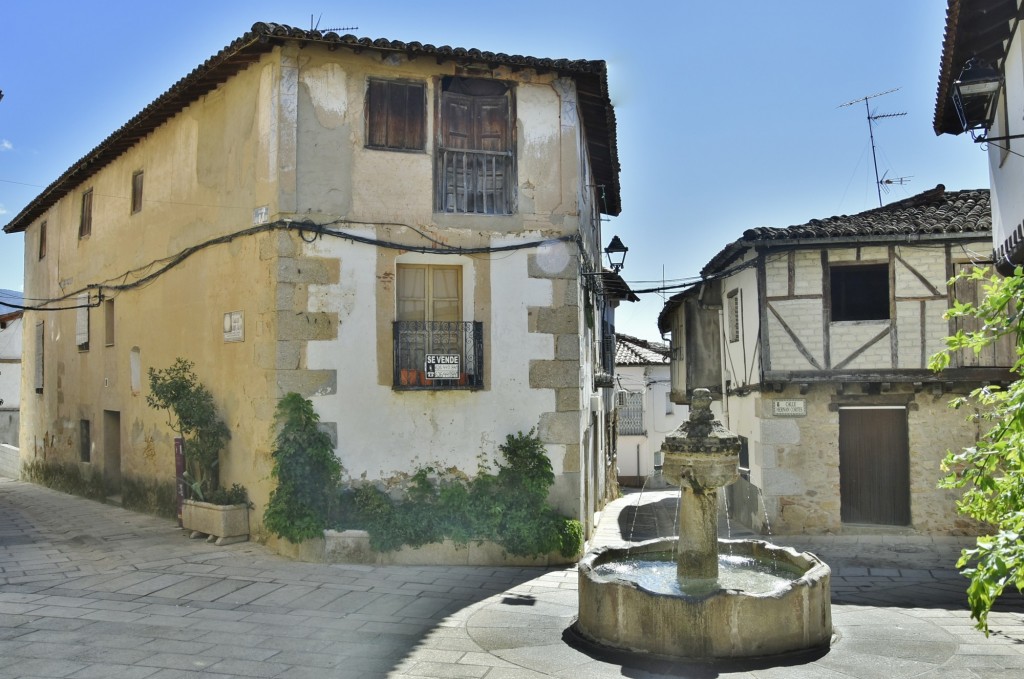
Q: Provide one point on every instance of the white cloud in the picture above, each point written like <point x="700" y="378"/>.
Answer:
<point x="5" y="145"/>
<point x="3" y="210"/>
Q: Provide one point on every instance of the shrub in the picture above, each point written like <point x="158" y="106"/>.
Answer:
<point x="192" y="415"/>
<point x="306" y="470"/>
<point x="509" y="507"/>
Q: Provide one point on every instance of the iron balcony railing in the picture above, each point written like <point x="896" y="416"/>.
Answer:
<point x="439" y="355"/>
<point x="475" y="182"/>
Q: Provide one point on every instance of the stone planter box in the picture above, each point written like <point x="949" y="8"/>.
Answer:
<point x="222" y="524"/>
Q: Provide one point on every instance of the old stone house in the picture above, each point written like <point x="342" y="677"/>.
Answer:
<point x="816" y="338"/>
<point x="409" y="235"/>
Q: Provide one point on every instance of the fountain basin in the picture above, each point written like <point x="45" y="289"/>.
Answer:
<point x="721" y="623"/>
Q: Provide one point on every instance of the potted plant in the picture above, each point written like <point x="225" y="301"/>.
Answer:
<point x="207" y="509"/>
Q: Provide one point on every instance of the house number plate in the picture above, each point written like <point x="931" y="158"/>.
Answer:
<point x="793" y="407"/>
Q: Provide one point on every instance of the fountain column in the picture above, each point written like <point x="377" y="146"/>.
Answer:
<point x="700" y="457"/>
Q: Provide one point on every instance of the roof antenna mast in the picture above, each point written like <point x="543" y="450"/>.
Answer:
<point x="316" y="26"/>
<point x="872" y="117"/>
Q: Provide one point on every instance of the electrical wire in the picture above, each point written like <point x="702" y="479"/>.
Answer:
<point x="308" y="231"/>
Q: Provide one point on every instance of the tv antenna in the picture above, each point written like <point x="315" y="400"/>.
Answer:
<point x="872" y="117"/>
<point x="316" y="26"/>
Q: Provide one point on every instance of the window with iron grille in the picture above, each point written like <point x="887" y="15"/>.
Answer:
<point x="475" y="156"/>
<point x="433" y="347"/>
<point x="395" y="115"/>
<point x="631" y="413"/>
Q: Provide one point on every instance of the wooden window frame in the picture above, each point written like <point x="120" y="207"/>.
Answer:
<point x="85" y="219"/>
<point x="429" y="289"/>
<point x="108" y="318"/>
<point x="734" y="303"/>
<point x="396" y="115"/>
<point x="137" y="181"/>
<point x="859" y="292"/>
<point x="475" y="168"/>
<point x="84" y="440"/>
<point x="82" y="322"/>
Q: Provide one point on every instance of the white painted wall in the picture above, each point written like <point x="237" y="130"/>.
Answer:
<point x="380" y="429"/>
<point x="636" y="453"/>
<point x="10" y="364"/>
<point x="1006" y="170"/>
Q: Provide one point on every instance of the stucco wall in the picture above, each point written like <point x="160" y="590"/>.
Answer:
<point x="284" y="139"/>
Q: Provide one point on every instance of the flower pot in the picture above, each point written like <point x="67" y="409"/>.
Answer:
<point x="222" y="524"/>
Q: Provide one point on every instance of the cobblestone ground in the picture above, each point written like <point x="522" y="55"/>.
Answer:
<point x="91" y="590"/>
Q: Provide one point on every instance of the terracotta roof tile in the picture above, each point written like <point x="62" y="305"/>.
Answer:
<point x="936" y="212"/>
<point x="633" y="351"/>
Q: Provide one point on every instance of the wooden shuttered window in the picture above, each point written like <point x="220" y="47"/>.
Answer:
<point x="475" y="155"/>
<point x="1001" y="353"/>
<point x="396" y="115"/>
<point x="137" y="192"/>
<point x="82" y="323"/>
<point x="85" y="222"/>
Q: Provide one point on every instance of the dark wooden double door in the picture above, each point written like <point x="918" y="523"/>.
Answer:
<point x="874" y="466"/>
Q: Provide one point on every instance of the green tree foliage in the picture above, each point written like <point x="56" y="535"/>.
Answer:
<point x="991" y="473"/>
<point x="306" y="470"/>
<point x="509" y="507"/>
<point x="192" y="415"/>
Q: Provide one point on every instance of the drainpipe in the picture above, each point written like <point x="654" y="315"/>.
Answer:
<point x="725" y="393"/>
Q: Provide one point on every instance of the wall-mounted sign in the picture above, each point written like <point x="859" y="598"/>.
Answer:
<point x="260" y="215"/>
<point x="789" y="407"/>
<point x="442" y="366"/>
<point x="234" y="326"/>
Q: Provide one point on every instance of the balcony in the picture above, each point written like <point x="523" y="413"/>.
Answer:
<point x="433" y="355"/>
<point x="474" y="182"/>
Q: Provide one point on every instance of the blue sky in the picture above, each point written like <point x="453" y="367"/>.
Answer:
<point x="728" y="114"/>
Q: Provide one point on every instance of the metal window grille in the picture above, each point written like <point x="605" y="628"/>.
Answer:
<point x="415" y="342"/>
<point x="477" y="182"/>
<point x="631" y="413"/>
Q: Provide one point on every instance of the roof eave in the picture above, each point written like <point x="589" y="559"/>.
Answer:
<point x="591" y="78"/>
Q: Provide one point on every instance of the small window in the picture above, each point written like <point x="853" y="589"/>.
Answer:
<point x="85" y="223"/>
<point x="395" y="115"/>
<point x="40" y="336"/>
<point x="670" y="408"/>
<point x="137" y="192"/>
<point x="82" y="323"/>
<point x="135" y="370"/>
<point x="42" y="240"/>
<point x="108" y="317"/>
<point x="733" y="299"/>
<point x="631" y="413"/>
<point x="85" y="441"/>
<point x="860" y="292"/>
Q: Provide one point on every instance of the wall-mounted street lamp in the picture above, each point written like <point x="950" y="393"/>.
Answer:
<point x="616" y="253"/>
<point x="975" y="94"/>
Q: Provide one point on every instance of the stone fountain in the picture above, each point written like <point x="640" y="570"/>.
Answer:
<point x="775" y="601"/>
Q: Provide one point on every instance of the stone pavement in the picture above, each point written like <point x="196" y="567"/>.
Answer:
<point x="91" y="590"/>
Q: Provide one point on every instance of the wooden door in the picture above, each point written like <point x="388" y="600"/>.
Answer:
<point x="874" y="466"/>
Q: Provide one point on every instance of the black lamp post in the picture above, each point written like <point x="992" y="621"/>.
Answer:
<point x="975" y="94"/>
<point x="616" y="253"/>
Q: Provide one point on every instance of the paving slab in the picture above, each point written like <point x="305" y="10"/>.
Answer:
<point x="92" y="590"/>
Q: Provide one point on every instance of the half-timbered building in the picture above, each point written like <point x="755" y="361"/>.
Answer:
<point x="817" y="339"/>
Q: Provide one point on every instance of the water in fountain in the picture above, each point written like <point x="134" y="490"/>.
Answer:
<point x="656" y="572"/>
